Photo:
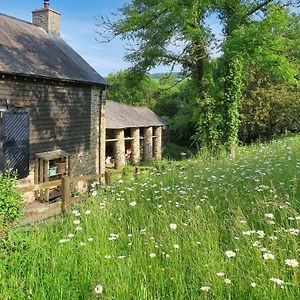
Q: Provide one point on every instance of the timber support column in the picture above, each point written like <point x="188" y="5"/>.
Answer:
<point x="119" y="149"/>
<point x="135" y="146"/>
<point x="102" y="138"/>
<point x="148" y="144"/>
<point x="158" y="143"/>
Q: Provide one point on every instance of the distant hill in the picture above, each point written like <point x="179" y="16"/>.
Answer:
<point x="158" y="76"/>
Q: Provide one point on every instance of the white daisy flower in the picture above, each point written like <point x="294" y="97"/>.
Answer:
<point x="292" y="263"/>
<point x="76" y="222"/>
<point x="277" y="280"/>
<point x="99" y="289"/>
<point x="230" y="253"/>
<point x="205" y="288"/>
<point x="63" y="241"/>
<point x="268" y="256"/>
<point x="269" y="216"/>
<point x="173" y="226"/>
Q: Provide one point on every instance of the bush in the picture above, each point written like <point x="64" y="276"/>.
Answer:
<point x="10" y="199"/>
<point x="176" y="152"/>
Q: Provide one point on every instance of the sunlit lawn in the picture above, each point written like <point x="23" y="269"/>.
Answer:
<point x="217" y="229"/>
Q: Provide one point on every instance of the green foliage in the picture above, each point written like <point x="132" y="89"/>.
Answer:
<point x="176" y="152"/>
<point x="10" y="199"/>
<point x="129" y="88"/>
<point x="260" y="36"/>
<point x="232" y="99"/>
<point x="269" y="110"/>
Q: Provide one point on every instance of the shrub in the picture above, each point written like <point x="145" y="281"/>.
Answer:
<point x="10" y="199"/>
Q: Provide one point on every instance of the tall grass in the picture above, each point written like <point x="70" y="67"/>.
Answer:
<point x="125" y="243"/>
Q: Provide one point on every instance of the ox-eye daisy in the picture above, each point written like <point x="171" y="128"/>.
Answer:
<point x="292" y="263"/>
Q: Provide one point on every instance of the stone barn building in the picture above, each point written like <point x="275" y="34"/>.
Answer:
<point x="49" y="101"/>
<point x="133" y="133"/>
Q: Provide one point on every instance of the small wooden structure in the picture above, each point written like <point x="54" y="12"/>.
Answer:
<point x="133" y="133"/>
<point x="50" y="166"/>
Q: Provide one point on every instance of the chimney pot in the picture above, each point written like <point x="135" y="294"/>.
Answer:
<point x="46" y="4"/>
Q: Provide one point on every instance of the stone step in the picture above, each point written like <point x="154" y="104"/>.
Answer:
<point x="37" y="211"/>
<point x="38" y="207"/>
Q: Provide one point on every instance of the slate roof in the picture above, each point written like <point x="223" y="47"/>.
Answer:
<point x="26" y="49"/>
<point x="119" y="115"/>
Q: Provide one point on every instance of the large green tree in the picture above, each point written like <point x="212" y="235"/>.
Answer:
<point x="175" y="32"/>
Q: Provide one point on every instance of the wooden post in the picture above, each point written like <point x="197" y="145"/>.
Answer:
<point x="36" y="177"/>
<point x="135" y="146"/>
<point x="148" y="144"/>
<point x="108" y="177"/>
<point x="158" y="143"/>
<point x="119" y="149"/>
<point x="102" y="138"/>
<point x="65" y="193"/>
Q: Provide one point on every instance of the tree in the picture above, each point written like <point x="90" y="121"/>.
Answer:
<point x="174" y="32"/>
<point x="127" y="88"/>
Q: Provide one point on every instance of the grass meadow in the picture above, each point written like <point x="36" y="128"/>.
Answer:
<point x="198" y="229"/>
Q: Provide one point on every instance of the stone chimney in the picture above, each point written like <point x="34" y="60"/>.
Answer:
<point x="47" y="18"/>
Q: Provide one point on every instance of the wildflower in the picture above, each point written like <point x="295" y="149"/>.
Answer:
<point x="292" y="263"/>
<point x="107" y="256"/>
<point x="133" y="204"/>
<point x="227" y="280"/>
<point x="99" y="289"/>
<point x="253" y="284"/>
<point x="269" y="216"/>
<point x="167" y="255"/>
<point x="71" y="235"/>
<point x="173" y="226"/>
<point x="256" y="244"/>
<point x="205" y="288"/>
<point x="76" y="222"/>
<point x="260" y="233"/>
<point x="121" y="257"/>
<point x="90" y="239"/>
<point x="78" y="228"/>
<point x="176" y="246"/>
<point x="88" y="212"/>
<point x="249" y="232"/>
<point x="63" y="241"/>
<point x="152" y="255"/>
<point x="94" y="193"/>
<point x="82" y="244"/>
<point x="75" y="212"/>
<point x="278" y="281"/>
<point x="230" y="254"/>
<point x="268" y="256"/>
<point x="220" y="274"/>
